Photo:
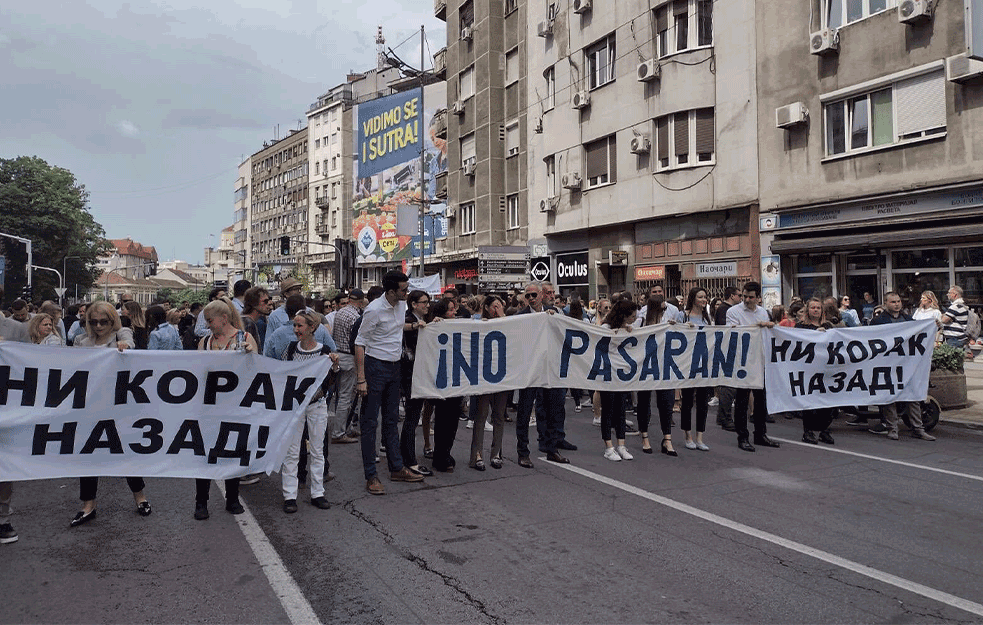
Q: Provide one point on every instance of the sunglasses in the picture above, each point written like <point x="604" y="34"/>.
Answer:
<point x="99" y="322"/>
<point x="530" y="295"/>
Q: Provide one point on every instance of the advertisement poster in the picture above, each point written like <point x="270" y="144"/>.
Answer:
<point x="388" y="134"/>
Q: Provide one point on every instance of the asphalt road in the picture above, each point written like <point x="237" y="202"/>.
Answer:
<point x="795" y="535"/>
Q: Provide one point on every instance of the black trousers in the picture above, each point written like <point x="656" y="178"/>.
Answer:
<point x="202" y="487"/>
<point x="701" y="397"/>
<point x="613" y="414"/>
<point x="816" y="420"/>
<point x="88" y="486"/>
<point x="664" y="400"/>
<point x="446" y="415"/>
<point x="760" y="412"/>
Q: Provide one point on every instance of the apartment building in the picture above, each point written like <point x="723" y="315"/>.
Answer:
<point x="330" y="130"/>
<point x="279" y="206"/>
<point x="486" y="132"/>
<point x="871" y="147"/>
<point x="641" y="132"/>
<point x="241" y="239"/>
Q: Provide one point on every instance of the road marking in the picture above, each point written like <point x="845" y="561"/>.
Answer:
<point x="912" y="465"/>
<point x="881" y="576"/>
<point x="294" y="603"/>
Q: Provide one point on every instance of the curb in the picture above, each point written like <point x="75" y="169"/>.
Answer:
<point x="961" y="423"/>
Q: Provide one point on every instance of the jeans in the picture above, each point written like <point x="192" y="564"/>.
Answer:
<point x="89" y="486"/>
<point x="316" y="418"/>
<point x="701" y="396"/>
<point x="382" y="381"/>
<point x="202" y="486"/>
<point x="345" y="391"/>
<point x="740" y="412"/>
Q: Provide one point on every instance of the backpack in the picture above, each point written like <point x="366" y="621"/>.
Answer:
<point x="189" y="340"/>
<point x="973" y="325"/>
<point x="354" y="334"/>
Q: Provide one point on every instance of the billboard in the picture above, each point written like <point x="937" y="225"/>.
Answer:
<point x="388" y="134"/>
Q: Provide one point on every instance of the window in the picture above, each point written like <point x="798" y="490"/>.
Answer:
<point x="512" y="203"/>
<point x="551" y="176"/>
<point x="550" y="76"/>
<point x="891" y="113"/>
<point x="466" y="84"/>
<point x="317" y="168"/>
<point x="685" y="138"/>
<point x="334" y="163"/>
<point x="467" y="14"/>
<point x="467" y="218"/>
<point x="601" y="157"/>
<point x="511" y="5"/>
<point x="837" y="13"/>
<point x="512" y="139"/>
<point x="512" y="66"/>
<point x="600" y="62"/>
<point x="324" y="167"/>
<point x="334" y="139"/>
<point x="317" y="143"/>
<point x="467" y="148"/>
<point x="683" y="25"/>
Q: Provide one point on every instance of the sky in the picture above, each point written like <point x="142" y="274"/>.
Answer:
<point x="153" y="105"/>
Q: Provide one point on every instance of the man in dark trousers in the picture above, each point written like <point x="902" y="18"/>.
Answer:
<point x="726" y="394"/>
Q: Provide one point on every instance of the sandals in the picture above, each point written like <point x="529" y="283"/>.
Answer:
<point x="645" y="439"/>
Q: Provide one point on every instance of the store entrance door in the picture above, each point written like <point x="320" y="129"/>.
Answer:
<point x="862" y="276"/>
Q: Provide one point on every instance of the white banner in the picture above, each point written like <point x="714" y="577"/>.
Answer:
<point x="430" y="284"/>
<point x="866" y="366"/>
<point x="464" y="357"/>
<point x="98" y="412"/>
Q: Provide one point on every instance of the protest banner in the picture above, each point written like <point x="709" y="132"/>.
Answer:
<point x="867" y="366"/>
<point x="99" y="412"/>
<point x="464" y="357"/>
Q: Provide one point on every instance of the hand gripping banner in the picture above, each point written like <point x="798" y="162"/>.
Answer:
<point x="868" y="366"/>
<point x="465" y="357"/>
<point x="98" y="412"/>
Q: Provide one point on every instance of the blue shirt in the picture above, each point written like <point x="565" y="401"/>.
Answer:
<point x="278" y="341"/>
<point x="164" y="337"/>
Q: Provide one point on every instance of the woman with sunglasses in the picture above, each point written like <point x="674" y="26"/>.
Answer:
<point x="849" y="316"/>
<point x="492" y="307"/>
<point x="104" y="329"/>
<point x="417" y="307"/>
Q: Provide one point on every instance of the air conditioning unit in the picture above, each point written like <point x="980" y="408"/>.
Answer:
<point x="469" y="167"/>
<point x="547" y="205"/>
<point x="961" y="68"/>
<point x="467" y="33"/>
<point x="640" y="145"/>
<point x="914" y="11"/>
<point x="581" y="99"/>
<point x="825" y="41"/>
<point x="545" y="28"/>
<point x="458" y="107"/>
<point x="649" y="70"/>
<point x="538" y="128"/>
<point x="791" y="115"/>
<point x="450" y="212"/>
<point x="581" y="6"/>
<point x="571" y="180"/>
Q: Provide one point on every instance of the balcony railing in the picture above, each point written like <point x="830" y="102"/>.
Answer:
<point x="440" y="62"/>
<point x="440" y="9"/>
<point x="439" y="123"/>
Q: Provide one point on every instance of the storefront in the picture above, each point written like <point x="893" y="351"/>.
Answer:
<point x="573" y="275"/>
<point x="907" y="242"/>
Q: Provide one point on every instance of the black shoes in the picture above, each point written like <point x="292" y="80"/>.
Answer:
<point x="290" y="506"/>
<point x="810" y="437"/>
<point x="564" y="444"/>
<point x="82" y="518"/>
<point x="419" y="469"/>
<point x="728" y="425"/>
<point x="234" y="507"/>
<point x="826" y="437"/>
<point x="764" y="441"/>
<point x="479" y="465"/>
<point x="320" y="503"/>
<point x="744" y="444"/>
<point x="525" y="462"/>
<point x="555" y="456"/>
<point x="496" y="462"/>
<point x="201" y="511"/>
<point x="143" y="508"/>
<point x="666" y="450"/>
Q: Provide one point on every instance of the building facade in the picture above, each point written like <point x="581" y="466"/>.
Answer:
<point x="240" y="222"/>
<point x="871" y="150"/>
<point x="641" y="144"/>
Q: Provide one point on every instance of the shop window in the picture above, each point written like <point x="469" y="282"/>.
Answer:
<point x="919" y="260"/>
<point x="969" y="274"/>
<point x="891" y="113"/>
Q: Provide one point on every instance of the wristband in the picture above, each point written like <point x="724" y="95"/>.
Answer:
<point x="360" y="382"/>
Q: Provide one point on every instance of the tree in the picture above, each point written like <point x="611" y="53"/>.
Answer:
<point x="47" y="205"/>
<point x="190" y="296"/>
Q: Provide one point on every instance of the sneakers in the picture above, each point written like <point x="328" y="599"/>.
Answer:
<point x="470" y="425"/>
<point x="576" y="408"/>
<point x="612" y="455"/>
<point x="344" y="440"/>
<point x="596" y="422"/>
<point x="375" y="487"/>
<point x="623" y="452"/>
<point x="857" y="422"/>
<point x="826" y="437"/>
<point x="880" y="428"/>
<point x="7" y="534"/>
<point x="532" y="421"/>
<point x="892" y="435"/>
<point x="713" y="402"/>
<point x="252" y="478"/>
<point x="922" y="434"/>
<point x="405" y="475"/>
<point x="630" y="429"/>
<point x="587" y="404"/>
<point x="810" y="437"/>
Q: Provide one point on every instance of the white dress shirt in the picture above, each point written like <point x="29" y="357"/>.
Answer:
<point x="381" y="332"/>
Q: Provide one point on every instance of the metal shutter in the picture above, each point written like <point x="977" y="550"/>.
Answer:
<point x="920" y="103"/>
<point x="704" y="131"/>
<point x="597" y="159"/>
<point x="662" y="137"/>
<point x="681" y="132"/>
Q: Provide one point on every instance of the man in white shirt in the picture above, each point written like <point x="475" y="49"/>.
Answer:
<point x="749" y="313"/>
<point x="378" y="349"/>
<point x="671" y="311"/>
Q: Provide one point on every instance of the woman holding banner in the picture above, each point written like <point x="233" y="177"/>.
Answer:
<point x="226" y="334"/>
<point x="103" y="328"/>
<point x="814" y="318"/>
<point x="492" y="307"/>
<point x="417" y="304"/>
<point x="696" y="314"/>
<point x="602" y="310"/>
<point x="655" y="313"/>
<point x="446" y="411"/>
<point x="621" y="317"/>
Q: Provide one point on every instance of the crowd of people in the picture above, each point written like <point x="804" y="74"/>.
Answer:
<point x="371" y="339"/>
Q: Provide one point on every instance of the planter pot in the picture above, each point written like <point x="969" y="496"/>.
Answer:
<point x="948" y="388"/>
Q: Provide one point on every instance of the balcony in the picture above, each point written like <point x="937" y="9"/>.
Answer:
<point x="439" y="123"/>
<point x="441" y="193"/>
<point x="320" y="258"/>
<point x="321" y="202"/>
<point x="440" y="9"/>
<point x="440" y="63"/>
<point x="323" y="229"/>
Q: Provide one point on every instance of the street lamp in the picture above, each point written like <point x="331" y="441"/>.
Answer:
<point x="64" y="273"/>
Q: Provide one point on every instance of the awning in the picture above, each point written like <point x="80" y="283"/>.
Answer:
<point x="871" y="240"/>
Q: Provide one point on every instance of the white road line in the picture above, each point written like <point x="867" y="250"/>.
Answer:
<point x="911" y="465"/>
<point x="294" y="603"/>
<point x="881" y="576"/>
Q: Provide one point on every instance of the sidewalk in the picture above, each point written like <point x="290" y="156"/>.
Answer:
<point x="972" y="415"/>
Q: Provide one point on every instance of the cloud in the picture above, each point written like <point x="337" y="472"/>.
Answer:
<point x="127" y="128"/>
<point x="203" y="119"/>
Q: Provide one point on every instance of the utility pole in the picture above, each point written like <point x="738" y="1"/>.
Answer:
<point x="423" y="160"/>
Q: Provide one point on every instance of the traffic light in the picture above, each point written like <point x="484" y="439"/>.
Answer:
<point x="285" y="246"/>
<point x="26" y="295"/>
